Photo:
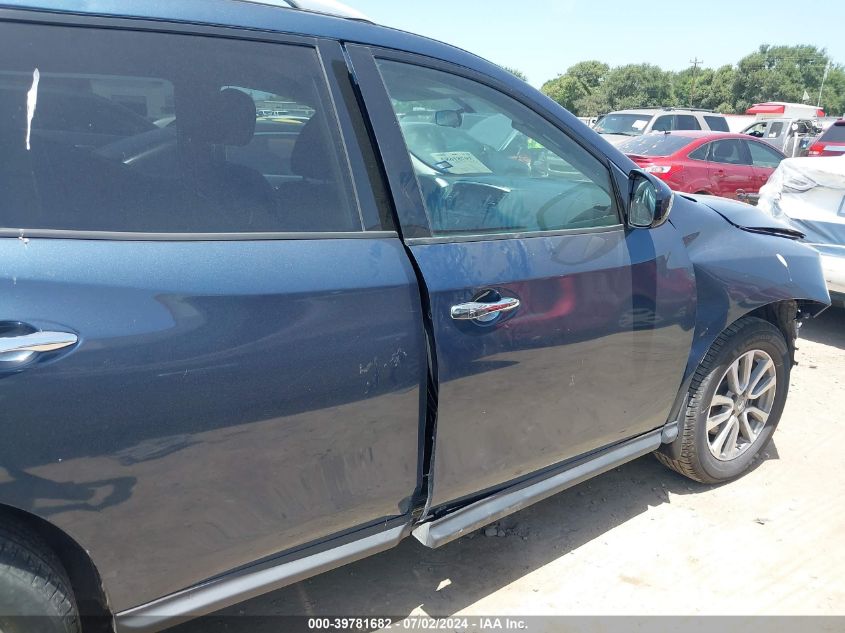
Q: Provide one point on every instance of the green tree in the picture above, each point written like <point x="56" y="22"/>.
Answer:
<point x="771" y="73"/>
<point x="637" y="86"/>
<point x="778" y="73"/>
<point x="577" y="85"/>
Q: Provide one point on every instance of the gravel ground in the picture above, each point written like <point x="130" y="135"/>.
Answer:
<point x="637" y="540"/>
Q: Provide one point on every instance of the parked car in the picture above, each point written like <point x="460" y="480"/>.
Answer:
<point x="831" y="142"/>
<point x="809" y="193"/>
<point x="789" y="135"/>
<point x="226" y="370"/>
<point x="616" y="127"/>
<point x="710" y="163"/>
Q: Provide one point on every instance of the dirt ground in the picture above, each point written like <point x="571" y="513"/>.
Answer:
<point x="637" y="540"/>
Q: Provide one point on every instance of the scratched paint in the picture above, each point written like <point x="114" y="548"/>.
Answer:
<point x="31" y="103"/>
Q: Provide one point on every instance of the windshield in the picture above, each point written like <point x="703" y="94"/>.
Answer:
<point x="626" y="124"/>
<point x="654" y="144"/>
<point x="835" y="133"/>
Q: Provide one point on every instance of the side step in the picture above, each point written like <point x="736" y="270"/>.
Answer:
<point x="476" y="515"/>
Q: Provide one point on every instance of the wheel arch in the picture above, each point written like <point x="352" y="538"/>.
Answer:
<point x="91" y="598"/>
<point x="785" y="314"/>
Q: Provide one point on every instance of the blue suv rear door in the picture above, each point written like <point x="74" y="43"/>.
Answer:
<point x="213" y="339"/>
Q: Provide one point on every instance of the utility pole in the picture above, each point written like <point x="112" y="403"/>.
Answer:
<point x="826" y="70"/>
<point x="695" y="62"/>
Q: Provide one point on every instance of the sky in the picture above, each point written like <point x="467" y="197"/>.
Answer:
<point x="543" y="38"/>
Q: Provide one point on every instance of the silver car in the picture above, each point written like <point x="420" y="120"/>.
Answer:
<point x="622" y="124"/>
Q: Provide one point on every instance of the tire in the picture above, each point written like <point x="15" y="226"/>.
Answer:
<point x="703" y="456"/>
<point x="35" y="594"/>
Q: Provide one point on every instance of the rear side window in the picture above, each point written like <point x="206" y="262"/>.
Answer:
<point x="149" y="132"/>
<point x="729" y="151"/>
<point x="717" y="123"/>
<point x="686" y="122"/>
<point x="835" y="133"/>
<point x="701" y="153"/>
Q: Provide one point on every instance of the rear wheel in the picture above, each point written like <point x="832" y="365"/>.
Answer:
<point x="736" y="399"/>
<point x="35" y="594"/>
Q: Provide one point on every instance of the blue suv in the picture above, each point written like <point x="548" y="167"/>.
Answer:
<point x="279" y="289"/>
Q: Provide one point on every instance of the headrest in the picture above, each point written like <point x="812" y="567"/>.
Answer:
<point x="723" y="150"/>
<point x="311" y="152"/>
<point x="229" y="119"/>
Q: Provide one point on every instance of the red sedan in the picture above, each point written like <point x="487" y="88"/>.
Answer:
<point x="714" y="163"/>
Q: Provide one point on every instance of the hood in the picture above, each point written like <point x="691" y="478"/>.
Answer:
<point x="746" y="217"/>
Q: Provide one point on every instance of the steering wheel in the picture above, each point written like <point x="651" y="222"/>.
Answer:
<point x="577" y="192"/>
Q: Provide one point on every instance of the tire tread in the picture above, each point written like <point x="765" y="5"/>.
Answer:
<point x="24" y="555"/>
<point x="686" y="463"/>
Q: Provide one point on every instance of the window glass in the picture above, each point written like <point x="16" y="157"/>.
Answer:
<point x="663" y="123"/>
<point x="148" y="132"/>
<point x="701" y="152"/>
<point x="488" y="164"/>
<point x="775" y="129"/>
<point x="717" y="123"/>
<point x="686" y="122"/>
<point x="756" y="130"/>
<point x="763" y="156"/>
<point x="729" y="151"/>
<point x="654" y="144"/>
<point x="621" y="123"/>
<point x="835" y="133"/>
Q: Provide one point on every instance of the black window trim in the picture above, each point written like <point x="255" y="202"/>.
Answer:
<point x="434" y="63"/>
<point x="73" y="20"/>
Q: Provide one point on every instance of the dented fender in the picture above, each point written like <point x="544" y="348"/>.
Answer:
<point x="742" y="262"/>
<point x="739" y="269"/>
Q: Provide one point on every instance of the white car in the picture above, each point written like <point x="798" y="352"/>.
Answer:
<point x="617" y="126"/>
<point x="810" y="194"/>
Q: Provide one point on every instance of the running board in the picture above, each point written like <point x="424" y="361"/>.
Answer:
<point x="510" y="500"/>
<point x="248" y="583"/>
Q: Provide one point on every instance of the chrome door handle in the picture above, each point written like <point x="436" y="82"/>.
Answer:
<point x="479" y="310"/>
<point x="36" y="342"/>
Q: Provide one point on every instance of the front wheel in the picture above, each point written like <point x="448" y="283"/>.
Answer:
<point x="736" y="399"/>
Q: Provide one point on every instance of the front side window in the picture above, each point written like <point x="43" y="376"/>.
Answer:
<point x="756" y="130"/>
<point x="775" y="129"/>
<point x="107" y="130"/>
<point x="487" y="164"/>
<point x="663" y="123"/>
<point x="762" y="155"/>
<point x="730" y="152"/>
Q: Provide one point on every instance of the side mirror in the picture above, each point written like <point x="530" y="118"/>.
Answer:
<point x="448" y="118"/>
<point x="649" y="201"/>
